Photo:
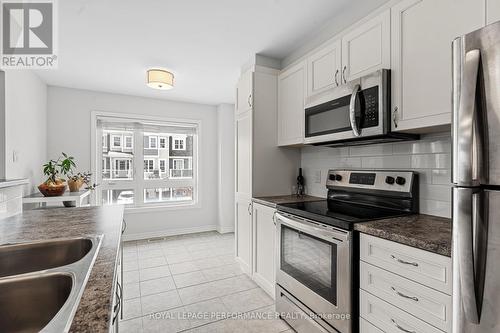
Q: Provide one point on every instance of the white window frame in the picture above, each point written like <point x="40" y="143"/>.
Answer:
<point x="165" y="165"/>
<point x="155" y="137"/>
<point x="166" y="142"/>
<point x="153" y="164"/>
<point x="112" y="141"/>
<point x="138" y="184"/>
<point x="177" y="160"/>
<point x="104" y="142"/>
<point x="131" y="137"/>
<point x="182" y="143"/>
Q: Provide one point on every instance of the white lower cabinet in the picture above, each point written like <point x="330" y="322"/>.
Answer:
<point x="244" y="234"/>
<point x="403" y="288"/>
<point x="264" y="247"/>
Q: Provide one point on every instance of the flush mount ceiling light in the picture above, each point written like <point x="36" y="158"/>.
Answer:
<point x="160" y="79"/>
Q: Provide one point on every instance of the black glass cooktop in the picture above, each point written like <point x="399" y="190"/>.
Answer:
<point x="338" y="213"/>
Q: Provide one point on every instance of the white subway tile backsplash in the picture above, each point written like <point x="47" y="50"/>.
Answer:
<point x="386" y="162"/>
<point x="431" y="161"/>
<point x="430" y="157"/>
<point x="371" y="150"/>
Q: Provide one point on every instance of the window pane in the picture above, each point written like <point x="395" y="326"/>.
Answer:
<point x="122" y="197"/>
<point x="168" y="194"/>
<point x="117" y="159"/>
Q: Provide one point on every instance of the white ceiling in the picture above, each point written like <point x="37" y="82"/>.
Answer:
<point x="108" y="45"/>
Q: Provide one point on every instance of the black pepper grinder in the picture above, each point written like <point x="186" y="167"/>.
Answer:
<point x="300" y="184"/>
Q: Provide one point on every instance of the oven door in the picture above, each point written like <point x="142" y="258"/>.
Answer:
<point x="314" y="265"/>
<point x="362" y="112"/>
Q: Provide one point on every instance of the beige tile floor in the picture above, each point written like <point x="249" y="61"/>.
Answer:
<point x="192" y="283"/>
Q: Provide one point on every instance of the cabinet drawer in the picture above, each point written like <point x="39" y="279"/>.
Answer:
<point x="389" y="318"/>
<point x="430" y="269"/>
<point x="366" y="327"/>
<point x="425" y="303"/>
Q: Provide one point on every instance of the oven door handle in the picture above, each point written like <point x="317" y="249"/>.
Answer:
<point x="352" y="111"/>
<point x="309" y="228"/>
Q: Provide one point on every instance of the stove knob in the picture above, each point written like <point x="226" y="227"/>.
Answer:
<point x="332" y="177"/>
<point x="338" y="178"/>
<point x="389" y="180"/>
<point x="400" y="180"/>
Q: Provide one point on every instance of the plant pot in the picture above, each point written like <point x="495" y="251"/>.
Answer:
<point x="75" y="185"/>
<point x="52" y="190"/>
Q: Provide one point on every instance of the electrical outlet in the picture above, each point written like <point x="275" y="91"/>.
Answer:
<point x="15" y="156"/>
<point x="317" y="176"/>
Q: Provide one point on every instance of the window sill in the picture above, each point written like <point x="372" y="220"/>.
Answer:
<point x="150" y="208"/>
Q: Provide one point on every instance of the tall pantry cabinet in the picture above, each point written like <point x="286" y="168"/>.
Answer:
<point x="262" y="168"/>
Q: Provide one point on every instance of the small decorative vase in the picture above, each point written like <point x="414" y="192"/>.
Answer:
<point x="53" y="190"/>
<point x="75" y="185"/>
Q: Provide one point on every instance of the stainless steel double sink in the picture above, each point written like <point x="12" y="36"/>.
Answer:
<point x="41" y="282"/>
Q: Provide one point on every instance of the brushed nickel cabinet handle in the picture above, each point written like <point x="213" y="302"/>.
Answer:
<point x="394" y="117"/>
<point x="336" y="77"/>
<point x="413" y="298"/>
<point x="403" y="261"/>
<point x="401" y="328"/>
<point x="250" y="208"/>
<point x="250" y="100"/>
<point x="343" y="74"/>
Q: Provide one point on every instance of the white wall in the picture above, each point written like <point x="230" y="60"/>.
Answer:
<point x="69" y="127"/>
<point x="226" y="159"/>
<point x="430" y="157"/>
<point x="25" y="127"/>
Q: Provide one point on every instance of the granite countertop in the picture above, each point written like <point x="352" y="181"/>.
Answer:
<point x="426" y="232"/>
<point x="282" y="199"/>
<point x="94" y="312"/>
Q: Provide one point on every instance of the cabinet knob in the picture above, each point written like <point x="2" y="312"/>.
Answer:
<point x="395" y="117"/>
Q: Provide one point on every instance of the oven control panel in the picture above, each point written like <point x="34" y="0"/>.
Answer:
<point x="397" y="181"/>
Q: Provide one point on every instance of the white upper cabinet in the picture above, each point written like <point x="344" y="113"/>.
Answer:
<point x="324" y="68"/>
<point x="492" y="11"/>
<point x="421" y="37"/>
<point x="367" y="47"/>
<point x="291" y="95"/>
<point x="244" y="154"/>
<point x="244" y="92"/>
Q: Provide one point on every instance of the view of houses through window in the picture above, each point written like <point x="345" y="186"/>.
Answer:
<point x="166" y="159"/>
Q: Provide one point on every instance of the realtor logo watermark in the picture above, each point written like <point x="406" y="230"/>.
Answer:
<point x="28" y="34"/>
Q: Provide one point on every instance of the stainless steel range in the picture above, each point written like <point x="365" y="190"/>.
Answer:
<point x="315" y="291"/>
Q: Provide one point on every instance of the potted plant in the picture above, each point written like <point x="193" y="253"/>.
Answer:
<point x="54" y="169"/>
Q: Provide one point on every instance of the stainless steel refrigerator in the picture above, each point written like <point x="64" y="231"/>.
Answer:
<point x="476" y="180"/>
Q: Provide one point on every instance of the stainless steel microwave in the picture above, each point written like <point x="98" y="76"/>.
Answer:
<point x="354" y="114"/>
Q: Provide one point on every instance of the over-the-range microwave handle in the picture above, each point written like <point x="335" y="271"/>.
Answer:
<point x="352" y="111"/>
<point x="470" y="246"/>
<point x="467" y="134"/>
<point x="330" y="235"/>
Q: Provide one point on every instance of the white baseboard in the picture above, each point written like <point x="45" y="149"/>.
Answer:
<point x="168" y="232"/>
<point x="225" y="229"/>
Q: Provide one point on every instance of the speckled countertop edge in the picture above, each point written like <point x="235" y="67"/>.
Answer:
<point x="426" y="232"/>
<point x="94" y="311"/>
<point x="273" y="201"/>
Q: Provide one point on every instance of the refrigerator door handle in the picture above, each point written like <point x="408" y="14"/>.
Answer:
<point x="469" y="234"/>
<point x="467" y="159"/>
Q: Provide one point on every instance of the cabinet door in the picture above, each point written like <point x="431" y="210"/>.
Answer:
<point x="421" y="37"/>
<point x="323" y="69"/>
<point x="243" y="154"/>
<point x="492" y="11"/>
<point x="244" y="234"/>
<point x="367" y="48"/>
<point x="244" y="92"/>
<point x="264" y="250"/>
<point x="291" y="94"/>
